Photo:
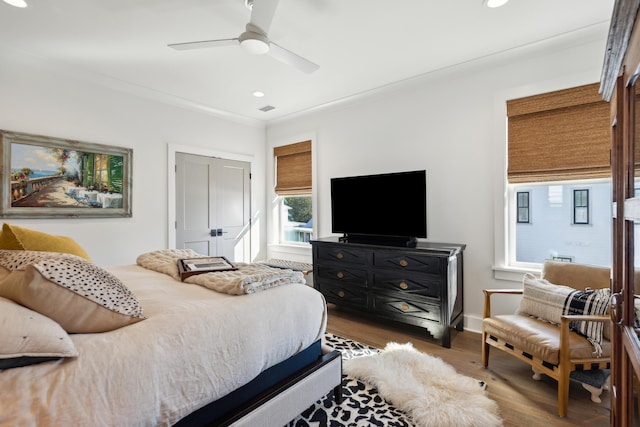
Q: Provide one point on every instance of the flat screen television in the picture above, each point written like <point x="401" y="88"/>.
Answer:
<point x="387" y="209"/>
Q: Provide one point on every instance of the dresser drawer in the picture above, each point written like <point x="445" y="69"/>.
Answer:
<point x="342" y="255"/>
<point x="342" y="274"/>
<point x="409" y="262"/>
<point x="344" y="295"/>
<point x="405" y="310"/>
<point x="424" y="285"/>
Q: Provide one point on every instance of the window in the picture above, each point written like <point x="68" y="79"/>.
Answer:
<point x="296" y="223"/>
<point x="581" y="206"/>
<point x="553" y="234"/>
<point x="294" y="190"/>
<point x="558" y="144"/>
<point x="523" y="207"/>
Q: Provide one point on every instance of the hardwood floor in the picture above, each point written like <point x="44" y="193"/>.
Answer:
<point x="522" y="401"/>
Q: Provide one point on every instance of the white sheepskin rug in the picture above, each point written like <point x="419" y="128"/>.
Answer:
<point x="426" y="388"/>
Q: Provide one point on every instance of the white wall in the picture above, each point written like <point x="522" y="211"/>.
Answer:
<point x="43" y="99"/>
<point x="453" y="124"/>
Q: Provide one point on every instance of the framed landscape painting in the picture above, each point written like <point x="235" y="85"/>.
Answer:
<point x="51" y="178"/>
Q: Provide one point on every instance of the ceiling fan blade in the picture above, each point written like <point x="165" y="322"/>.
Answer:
<point x="290" y="58"/>
<point x="203" y="44"/>
<point x="262" y="14"/>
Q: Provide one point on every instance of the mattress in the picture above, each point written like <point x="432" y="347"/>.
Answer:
<point x="194" y="347"/>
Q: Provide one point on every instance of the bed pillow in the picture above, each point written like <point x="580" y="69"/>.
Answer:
<point x="27" y="337"/>
<point x="543" y="299"/>
<point x="14" y="237"/>
<point x="9" y="241"/>
<point x="3" y="272"/>
<point x="77" y="294"/>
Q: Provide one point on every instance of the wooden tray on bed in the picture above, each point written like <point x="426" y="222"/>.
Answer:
<point x="191" y="266"/>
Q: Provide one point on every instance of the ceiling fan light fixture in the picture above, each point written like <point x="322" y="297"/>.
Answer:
<point x="16" y="3"/>
<point x="254" y="43"/>
<point x="494" y="3"/>
<point x="254" y="46"/>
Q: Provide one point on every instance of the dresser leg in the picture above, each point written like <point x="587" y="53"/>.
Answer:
<point x="446" y="338"/>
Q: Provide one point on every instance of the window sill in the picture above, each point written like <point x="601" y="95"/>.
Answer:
<point x="512" y="274"/>
<point x="293" y="252"/>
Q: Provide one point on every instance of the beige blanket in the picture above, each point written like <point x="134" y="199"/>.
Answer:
<point x="247" y="279"/>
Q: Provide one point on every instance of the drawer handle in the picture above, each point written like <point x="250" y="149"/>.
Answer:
<point x="404" y="285"/>
<point x="404" y="262"/>
<point x="404" y="307"/>
<point x="341" y="294"/>
<point x="340" y="274"/>
<point x="339" y="255"/>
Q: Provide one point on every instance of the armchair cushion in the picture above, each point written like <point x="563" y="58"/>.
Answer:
<point x="538" y="338"/>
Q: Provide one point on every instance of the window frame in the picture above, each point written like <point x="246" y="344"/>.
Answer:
<point x="520" y="208"/>
<point x="587" y="207"/>
<point x="511" y="265"/>
<point x="281" y="220"/>
<point x="276" y="248"/>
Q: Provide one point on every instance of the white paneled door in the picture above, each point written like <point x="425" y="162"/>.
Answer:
<point x="213" y="206"/>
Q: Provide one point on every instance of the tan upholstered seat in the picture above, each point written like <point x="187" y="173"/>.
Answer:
<point x="551" y="349"/>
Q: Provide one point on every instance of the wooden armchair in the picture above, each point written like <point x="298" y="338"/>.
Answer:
<point x="549" y="348"/>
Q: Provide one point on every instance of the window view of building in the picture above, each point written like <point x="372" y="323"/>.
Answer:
<point x="568" y="222"/>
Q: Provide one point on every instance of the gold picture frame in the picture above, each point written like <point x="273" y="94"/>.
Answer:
<point x="47" y="177"/>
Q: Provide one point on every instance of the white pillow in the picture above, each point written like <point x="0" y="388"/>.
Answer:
<point x="543" y="299"/>
<point x="27" y="337"/>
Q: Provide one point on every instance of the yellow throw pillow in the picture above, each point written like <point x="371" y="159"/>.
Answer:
<point x="14" y="237"/>
<point x="9" y="241"/>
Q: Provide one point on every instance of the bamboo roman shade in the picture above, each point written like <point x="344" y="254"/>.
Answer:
<point x="293" y="168"/>
<point x="559" y="135"/>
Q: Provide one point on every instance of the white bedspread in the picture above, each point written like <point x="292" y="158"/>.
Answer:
<point x="195" y="346"/>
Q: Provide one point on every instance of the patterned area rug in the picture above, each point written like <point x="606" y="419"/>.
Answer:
<point x="361" y="405"/>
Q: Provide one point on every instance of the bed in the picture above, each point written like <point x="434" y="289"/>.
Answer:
<point x="181" y="354"/>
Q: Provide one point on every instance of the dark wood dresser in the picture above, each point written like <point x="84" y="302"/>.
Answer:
<point x="420" y="286"/>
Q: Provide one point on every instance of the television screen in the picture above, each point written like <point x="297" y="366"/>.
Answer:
<point x="393" y="204"/>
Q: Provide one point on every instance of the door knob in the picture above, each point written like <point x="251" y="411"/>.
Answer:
<point x="217" y="232"/>
<point x="616" y="307"/>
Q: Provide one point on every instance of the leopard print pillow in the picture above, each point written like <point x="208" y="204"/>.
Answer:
<point x="79" y="295"/>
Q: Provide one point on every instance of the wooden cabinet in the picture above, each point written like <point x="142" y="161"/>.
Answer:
<point x="420" y="286"/>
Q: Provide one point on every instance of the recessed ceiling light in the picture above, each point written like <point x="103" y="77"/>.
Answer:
<point x="258" y="94"/>
<point x="16" y="3"/>
<point x="494" y="3"/>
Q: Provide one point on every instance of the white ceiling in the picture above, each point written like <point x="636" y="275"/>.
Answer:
<point x="360" y="45"/>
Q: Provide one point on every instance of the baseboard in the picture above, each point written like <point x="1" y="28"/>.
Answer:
<point x="473" y="324"/>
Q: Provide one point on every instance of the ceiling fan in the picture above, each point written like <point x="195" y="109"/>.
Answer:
<point x="255" y="39"/>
